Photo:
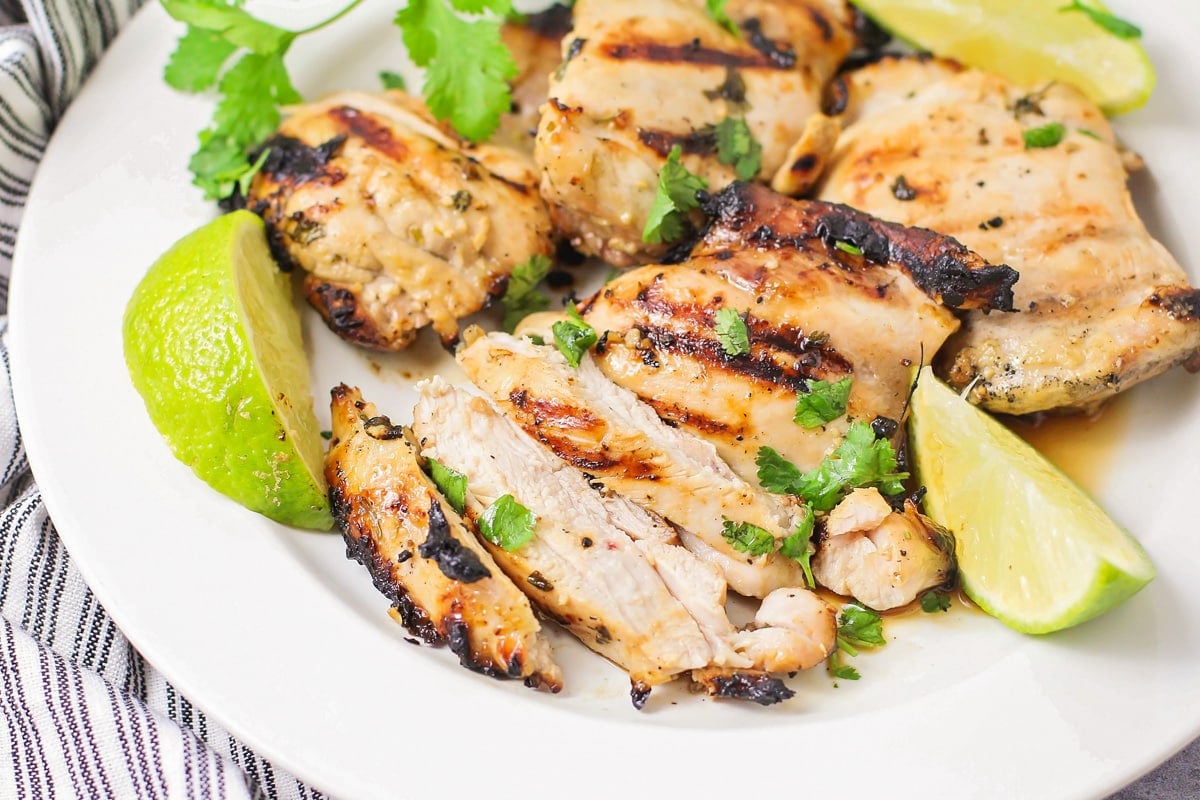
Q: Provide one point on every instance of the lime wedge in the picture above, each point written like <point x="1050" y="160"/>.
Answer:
<point x="1031" y="42"/>
<point x="213" y="345"/>
<point x="1034" y="549"/>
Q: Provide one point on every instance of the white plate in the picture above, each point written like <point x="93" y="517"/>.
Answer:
<point x="277" y="635"/>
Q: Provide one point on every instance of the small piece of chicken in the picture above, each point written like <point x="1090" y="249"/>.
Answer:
<point x="1101" y="304"/>
<point x="882" y="558"/>
<point x="443" y="585"/>
<point x="812" y="310"/>
<point x="535" y="42"/>
<point x="641" y="76"/>
<point x="604" y="430"/>
<point x="397" y="222"/>
<point x="582" y="567"/>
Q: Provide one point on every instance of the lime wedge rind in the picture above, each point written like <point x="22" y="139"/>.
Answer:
<point x="1034" y="549"/>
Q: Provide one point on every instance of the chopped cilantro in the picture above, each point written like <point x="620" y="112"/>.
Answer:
<point x="799" y="546"/>
<point x="934" y="601"/>
<point x="521" y="297"/>
<point x="1089" y="133"/>
<point x="676" y="195"/>
<point x="536" y="338"/>
<point x="824" y="402"/>
<point x="1113" y="24"/>
<point x="732" y="332"/>
<point x="574" y="337"/>
<point x="506" y="523"/>
<point x="392" y="80"/>
<point x="860" y="460"/>
<point x="1047" y="135"/>
<point x="859" y="627"/>
<point x="747" y="538"/>
<point x="841" y="671"/>
<point x="846" y="247"/>
<point x="716" y="10"/>
<point x="451" y="483"/>
<point x="737" y="146"/>
<point x="327" y="435"/>
<point x="467" y="66"/>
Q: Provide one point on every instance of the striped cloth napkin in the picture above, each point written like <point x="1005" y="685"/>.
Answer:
<point x="81" y="712"/>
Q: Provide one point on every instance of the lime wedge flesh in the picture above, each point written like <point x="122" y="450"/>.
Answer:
<point x="214" y="346"/>
<point x="1031" y="42"/>
<point x="1034" y="549"/>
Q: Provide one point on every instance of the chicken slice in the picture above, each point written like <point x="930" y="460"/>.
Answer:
<point x="582" y="568"/>
<point x="1102" y="305"/>
<point x="641" y="76"/>
<point x="596" y="426"/>
<point x="443" y="585"/>
<point x="812" y="310"/>
<point x="397" y="223"/>
<point x="882" y="558"/>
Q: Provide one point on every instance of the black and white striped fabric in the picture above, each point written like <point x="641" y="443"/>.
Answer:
<point x="81" y="713"/>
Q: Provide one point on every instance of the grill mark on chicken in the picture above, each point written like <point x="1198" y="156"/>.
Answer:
<point x="292" y="160"/>
<point x="757" y="687"/>
<point x="695" y="53"/>
<point x="339" y="305"/>
<point x="455" y="561"/>
<point x="942" y="267"/>
<point x="701" y="142"/>
<point x="369" y="131"/>
<point x="563" y="417"/>
<point x="782" y="55"/>
<point x="1183" y="304"/>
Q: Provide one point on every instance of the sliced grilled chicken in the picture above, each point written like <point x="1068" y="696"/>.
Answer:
<point x="443" y="585"/>
<point x="1102" y="304"/>
<point x="596" y="426"/>
<point x="640" y="76"/>
<point x="535" y="42"/>
<point x="397" y="222"/>
<point x="812" y="311"/>
<point x="880" y="557"/>
<point x="582" y="567"/>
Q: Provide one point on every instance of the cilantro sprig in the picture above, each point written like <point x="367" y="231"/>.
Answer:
<point x="799" y="547"/>
<point x="748" y="538"/>
<point x="521" y="297"/>
<point x="1122" y="29"/>
<point x="860" y="460"/>
<point x="506" y="523"/>
<point x="676" y="196"/>
<point x="858" y="627"/>
<point x="824" y="402"/>
<point x="573" y="336"/>
<point x="732" y="332"/>
<point x="737" y="147"/>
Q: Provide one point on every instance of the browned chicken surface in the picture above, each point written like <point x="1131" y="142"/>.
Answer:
<point x="1102" y="305"/>
<point x="641" y="76"/>
<point x="443" y="585"/>
<point x="812" y="310"/>
<point x="397" y="223"/>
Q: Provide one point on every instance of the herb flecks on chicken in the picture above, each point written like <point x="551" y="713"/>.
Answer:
<point x="1031" y="176"/>
<point x="641" y="77"/>
<point x="397" y="222"/>
<point x="422" y="556"/>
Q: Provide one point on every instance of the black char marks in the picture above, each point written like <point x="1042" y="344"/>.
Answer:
<point x="456" y="562"/>
<point x="757" y="687"/>
<point x="941" y="266"/>
<point x="779" y="54"/>
<point x="767" y="57"/>
<point x="289" y="160"/>
<point x="339" y="306"/>
<point x="701" y="142"/>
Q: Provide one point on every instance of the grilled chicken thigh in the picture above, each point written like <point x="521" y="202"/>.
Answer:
<point x="812" y="311"/>
<point x="1102" y="304"/>
<point x="596" y="426"/>
<point x="640" y="76"/>
<point x="444" y="586"/>
<point x="535" y="43"/>
<point x="397" y="222"/>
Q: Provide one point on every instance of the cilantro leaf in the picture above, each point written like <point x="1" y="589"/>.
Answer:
<point x="1047" y="135"/>
<point x="392" y="80"/>
<point x="841" y="671"/>
<point x="934" y="601"/>
<point x="573" y="337"/>
<point x="732" y="332"/>
<point x="737" y="146"/>
<point x="467" y="66"/>
<point x="451" y="483"/>
<point x="799" y="546"/>
<point x="859" y="627"/>
<point x="1118" y="27"/>
<point x="846" y="247"/>
<point x="747" y="538"/>
<point x="823" y="403"/>
<point x="521" y="297"/>
<point x="716" y="10"/>
<point x="676" y="195"/>
<point x="233" y="23"/>
<point x="197" y="59"/>
<point x="506" y="523"/>
<point x="860" y="460"/>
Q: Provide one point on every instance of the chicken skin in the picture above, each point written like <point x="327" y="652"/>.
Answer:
<point x="642" y="76"/>
<point x="397" y="223"/>
<point x="1030" y="177"/>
